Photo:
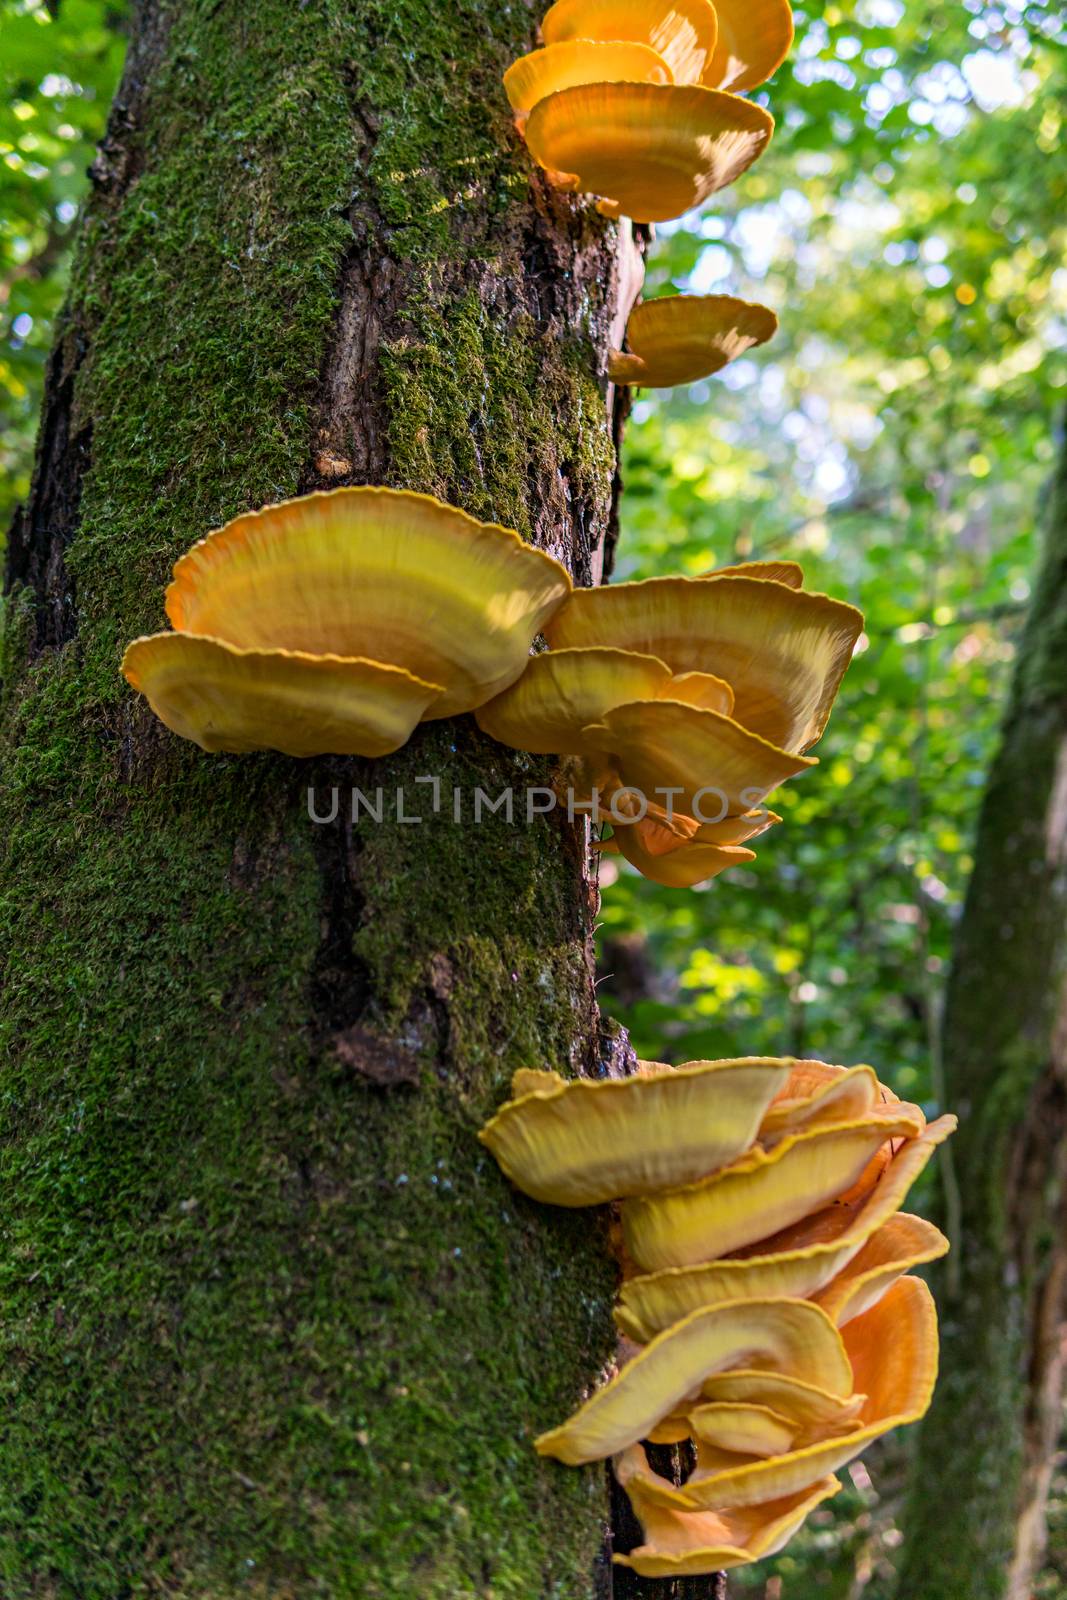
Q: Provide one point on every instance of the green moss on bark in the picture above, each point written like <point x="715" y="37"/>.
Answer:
<point x="270" y="1330"/>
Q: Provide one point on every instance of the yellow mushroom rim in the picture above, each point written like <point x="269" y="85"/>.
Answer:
<point x="680" y="852"/>
<point x="782" y="650"/>
<point x="688" y="1544"/>
<point x="651" y="151"/>
<point x="227" y="699"/>
<point x="806" y="1405"/>
<point x="741" y="1426"/>
<point x="820" y="1093"/>
<point x="715" y="768"/>
<point x="681" y="865"/>
<point x="582" y="1142"/>
<point x="682" y="32"/>
<point x="577" y="61"/>
<point x="791" y="1336"/>
<point x="753" y="40"/>
<point x="801" y="1261"/>
<point x="562" y="692"/>
<point x="892" y="1349"/>
<point x="683" y="337"/>
<point x="379" y="574"/>
<point x="762" y="1192"/>
<point x="904" y="1242"/>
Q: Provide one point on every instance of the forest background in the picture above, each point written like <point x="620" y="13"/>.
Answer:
<point x="909" y="226"/>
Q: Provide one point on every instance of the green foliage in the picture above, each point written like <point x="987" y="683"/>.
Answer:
<point x="57" y="76"/>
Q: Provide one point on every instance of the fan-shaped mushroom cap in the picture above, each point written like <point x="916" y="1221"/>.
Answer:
<point x="651" y="151"/>
<point x="683" y="337"/>
<point x="900" y="1244"/>
<point x="716" y="767"/>
<point x="583" y="1142"/>
<point x="379" y="574"/>
<point x="801" y="1260"/>
<point x="681" y="852"/>
<point x="680" y="867"/>
<point x="224" y="698"/>
<point x="682" y="32"/>
<point x="782" y="650"/>
<point x="562" y="692"/>
<point x="791" y="1336"/>
<point x="892" y="1349"/>
<point x="761" y="1192"/>
<point x="742" y="1427"/>
<point x="819" y="1093"/>
<point x="688" y="1544"/>
<point x="753" y="40"/>
<point x="806" y="1405"/>
<point x="575" y="61"/>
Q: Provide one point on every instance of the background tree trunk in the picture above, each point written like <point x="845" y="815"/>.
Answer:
<point x="975" y="1523"/>
<point x="274" y="1323"/>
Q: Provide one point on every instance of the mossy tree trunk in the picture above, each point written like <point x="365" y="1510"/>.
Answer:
<point x="975" y="1522"/>
<point x="272" y="1322"/>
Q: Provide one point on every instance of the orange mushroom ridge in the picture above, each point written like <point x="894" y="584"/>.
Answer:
<point x="638" y="101"/>
<point x="334" y="623"/>
<point x="681" y="703"/>
<point x="767" y="1314"/>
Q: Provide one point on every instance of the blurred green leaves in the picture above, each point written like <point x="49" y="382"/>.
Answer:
<point x="58" y="68"/>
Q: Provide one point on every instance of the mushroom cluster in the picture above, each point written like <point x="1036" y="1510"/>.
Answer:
<point x="640" y="101"/>
<point x="766" y="1316"/>
<point x="335" y="623"/>
<point x="682" y="702"/>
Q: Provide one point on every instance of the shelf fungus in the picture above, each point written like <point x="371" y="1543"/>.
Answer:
<point x="580" y="1142"/>
<point x="761" y="1192"/>
<point x="800" y="1260"/>
<point x="791" y="1336"/>
<point x="682" y="32"/>
<point x="729" y="45"/>
<point x="683" y="337"/>
<point x="752" y="40"/>
<point x="704" y="692"/>
<point x="767" y="1315"/>
<point x="650" y="151"/>
<point x="576" y="61"/>
<point x="680" y="1544"/>
<point x="336" y="622"/>
<point x="892" y="1354"/>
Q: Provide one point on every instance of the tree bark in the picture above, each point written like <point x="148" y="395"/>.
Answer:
<point x="274" y="1324"/>
<point x="975" y="1516"/>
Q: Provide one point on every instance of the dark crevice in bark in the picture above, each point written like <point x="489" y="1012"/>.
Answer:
<point x="670" y="1461"/>
<point x="43" y="529"/>
<point x="340" y="983"/>
<point x="619" y="414"/>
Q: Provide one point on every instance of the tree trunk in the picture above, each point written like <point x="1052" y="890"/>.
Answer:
<point x="975" y="1522"/>
<point x="274" y="1324"/>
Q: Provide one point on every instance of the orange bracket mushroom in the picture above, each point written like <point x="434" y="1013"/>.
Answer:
<point x="651" y="151"/>
<point x="683" y="337"/>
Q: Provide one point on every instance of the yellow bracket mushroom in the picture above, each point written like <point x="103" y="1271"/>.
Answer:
<point x="683" y="337"/>
<point x="651" y="151"/>
<point x="682" y="32"/>
<point x="789" y="1337"/>
<point x="579" y="1143"/>
<point x="711" y="687"/>
<point x="576" y="61"/>
<point x="336" y="622"/>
